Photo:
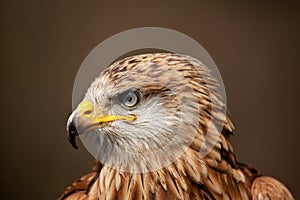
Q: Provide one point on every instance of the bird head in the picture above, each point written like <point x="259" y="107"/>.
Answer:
<point x="143" y="109"/>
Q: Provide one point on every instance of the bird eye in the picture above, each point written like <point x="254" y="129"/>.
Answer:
<point x="130" y="98"/>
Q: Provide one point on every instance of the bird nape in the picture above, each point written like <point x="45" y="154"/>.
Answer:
<point x="145" y="119"/>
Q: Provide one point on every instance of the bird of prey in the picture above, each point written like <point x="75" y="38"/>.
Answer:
<point x="140" y="112"/>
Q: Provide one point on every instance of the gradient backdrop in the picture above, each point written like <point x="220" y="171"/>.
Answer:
<point x="255" y="46"/>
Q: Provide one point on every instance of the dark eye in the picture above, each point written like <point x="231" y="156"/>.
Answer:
<point x="130" y="98"/>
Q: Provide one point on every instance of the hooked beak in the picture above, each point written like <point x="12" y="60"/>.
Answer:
<point x="72" y="133"/>
<point x="84" y="120"/>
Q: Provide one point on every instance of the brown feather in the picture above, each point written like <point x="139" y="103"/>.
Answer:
<point x="264" y="188"/>
<point x="216" y="176"/>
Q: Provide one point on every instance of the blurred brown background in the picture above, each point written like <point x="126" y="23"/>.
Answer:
<point x="255" y="46"/>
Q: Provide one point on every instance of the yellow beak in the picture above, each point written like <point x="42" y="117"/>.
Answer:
<point x="84" y="118"/>
<point x="86" y="108"/>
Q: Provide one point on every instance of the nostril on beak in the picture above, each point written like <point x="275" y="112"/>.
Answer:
<point x="72" y="133"/>
<point x="87" y="112"/>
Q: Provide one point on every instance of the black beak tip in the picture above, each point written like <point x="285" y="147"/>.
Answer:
<point x="72" y="133"/>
